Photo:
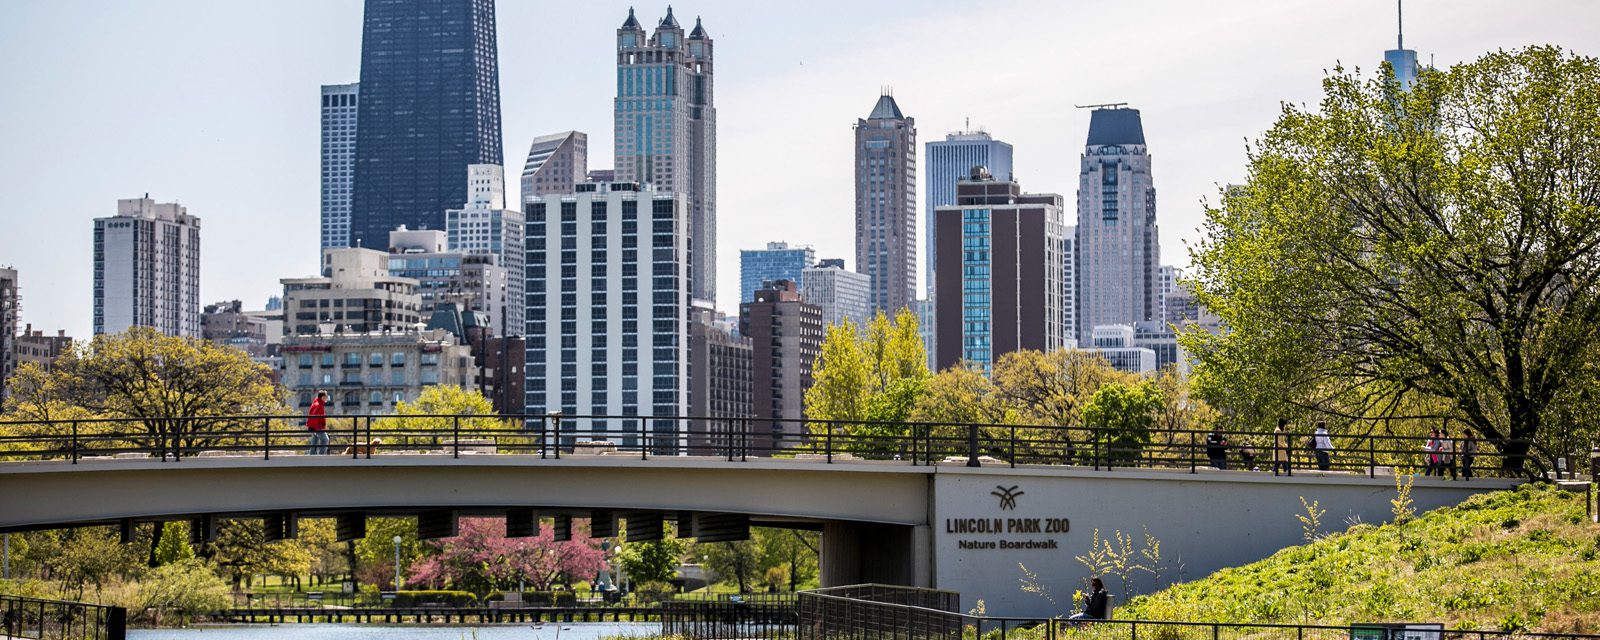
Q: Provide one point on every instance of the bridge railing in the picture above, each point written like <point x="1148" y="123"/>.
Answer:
<point x="38" y="619"/>
<point x="739" y="439"/>
<point x="829" y="614"/>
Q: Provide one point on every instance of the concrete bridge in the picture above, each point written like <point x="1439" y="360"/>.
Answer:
<point x="949" y="526"/>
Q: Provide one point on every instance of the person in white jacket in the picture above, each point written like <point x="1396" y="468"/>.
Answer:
<point x="1322" y="445"/>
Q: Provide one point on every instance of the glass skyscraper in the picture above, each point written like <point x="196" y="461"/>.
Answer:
<point x="429" y="107"/>
<point x="778" y="261"/>
<point x="950" y="161"/>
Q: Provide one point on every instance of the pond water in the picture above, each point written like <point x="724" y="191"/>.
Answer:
<point x="548" y="631"/>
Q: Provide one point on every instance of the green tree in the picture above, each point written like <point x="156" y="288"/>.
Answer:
<point x="186" y="588"/>
<point x="374" y="554"/>
<point x="440" y="410"/>
<point x="875" y="376"/>
<point x="1126" y="413"/>
<point x="172" y="544"/>
<point x="241" y="549"/>
<point x="655" y="561"/>
<point x="791" y="551"/>
<point x="738" y="561"/>
<point x="1422" y="254"/>
<point x="181" y="392"/>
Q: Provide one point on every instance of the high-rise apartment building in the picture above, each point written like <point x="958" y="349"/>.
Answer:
<point x="786" y="337"/>
<point x="1069" y="286"/>
<point x="339" y="106"/>
<point x="147" y="269"/>
<point x="666" y="128"/>
<point x="719" y="380"/>
<point x="778" y="261"/>
<point x="886" y="204"/>
<point x="1001" y="273"/>
<point x="949" y="161"/>
<point x="472" y="283"/>
<point x="556" y="163"/>
<point x="1118" y="248"/>
<point x="1169" y="281"/>
<point x="429" y="107"/>
<point x="9" y="305"/>
<point x="608" y="309"/>
<point x="356" y="293"/>
<point x="485" y="227"/>
<point x="227" y="323"/>
<point x="843" y="295"/>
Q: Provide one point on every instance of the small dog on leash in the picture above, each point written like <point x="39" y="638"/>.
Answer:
<point x="360" y="449"/>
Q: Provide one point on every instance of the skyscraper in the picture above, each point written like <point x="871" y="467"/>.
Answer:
<point x="1001" y="277"/>
<point x="950" y="161"/>
<point x="556" y="163"/>
<point x="886" y="204"/>
<point x="8" y="326"/>
<point x="1401" y="59"/>
<point x="339" y="106"/>
<point x="786" y="337"/>
<point x="608" y="309"/>
<point x="147" y="269"/>
<point x="485" y="227"/>
<point x="666" y="128"/>
<point x="778" y="261"/>
<point x="429" y="107"/>
<point x="1118" y="248"/>
<point x="842" y="294"/>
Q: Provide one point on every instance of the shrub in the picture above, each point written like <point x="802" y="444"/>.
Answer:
<point x="449" y="598"/>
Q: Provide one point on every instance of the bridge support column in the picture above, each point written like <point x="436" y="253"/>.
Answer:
<point x="857" y="553"/>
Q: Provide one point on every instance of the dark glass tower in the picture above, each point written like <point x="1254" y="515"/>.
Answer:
<point x="430" y="106"/>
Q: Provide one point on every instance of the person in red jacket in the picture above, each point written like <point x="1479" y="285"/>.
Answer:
<point x="318" y="425"/>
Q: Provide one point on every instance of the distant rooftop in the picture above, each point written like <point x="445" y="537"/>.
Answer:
<point x="1115" y="126"/>
<point x="886" y="109"/>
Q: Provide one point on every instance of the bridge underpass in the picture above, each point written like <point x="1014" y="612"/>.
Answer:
<point x="948" y="526"/>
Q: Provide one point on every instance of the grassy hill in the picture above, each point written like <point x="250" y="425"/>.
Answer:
<point x="1517" y="560"/>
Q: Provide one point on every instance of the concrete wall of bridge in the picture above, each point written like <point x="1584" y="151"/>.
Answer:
<point x="947" y="526"/>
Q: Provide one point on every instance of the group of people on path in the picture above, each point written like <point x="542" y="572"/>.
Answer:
<point x="1441" y="452"/>
<point x="1321" y="446"/>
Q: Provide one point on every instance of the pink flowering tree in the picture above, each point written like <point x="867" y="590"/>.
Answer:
<point x="482" y="560"/>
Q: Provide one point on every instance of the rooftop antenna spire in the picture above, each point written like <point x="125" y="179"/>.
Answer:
<point x="1400" y="24"/>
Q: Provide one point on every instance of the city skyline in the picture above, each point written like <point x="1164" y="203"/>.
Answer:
<point x="243" y="147"/>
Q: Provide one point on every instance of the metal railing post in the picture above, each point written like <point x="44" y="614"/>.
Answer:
<point x="1372" y="459"/>
<point x="1192" y="465"/>
<point x="644" y="449"/>
<point x="555" y="427"/>
<point x="544" y="442"/>
<point x="1013" y="446"/>
<point x="74" y="442"/>
<point x="972" y="446"/>
<point x="266" y="438"/>
<point x="827" y="443"/>
<point x="368" y="422"/>
<point x="455" y="434"/>
<point x="355" y="431"/>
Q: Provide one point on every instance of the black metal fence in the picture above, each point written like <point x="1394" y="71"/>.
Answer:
<point x="827" y="615"/>
<point x="60" y="620"/>
<point x="740" y="439"/>
<point x="729" y="618"/>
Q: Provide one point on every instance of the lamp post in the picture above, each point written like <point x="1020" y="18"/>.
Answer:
<point x="397" y="565"/>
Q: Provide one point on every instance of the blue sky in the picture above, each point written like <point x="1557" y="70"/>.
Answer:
<point x="213" y="103"/>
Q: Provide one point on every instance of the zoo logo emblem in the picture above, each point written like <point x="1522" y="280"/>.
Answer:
<point x="1008" y="496"/>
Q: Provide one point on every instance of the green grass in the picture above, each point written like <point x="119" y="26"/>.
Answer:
<point x="1515" y="560"/>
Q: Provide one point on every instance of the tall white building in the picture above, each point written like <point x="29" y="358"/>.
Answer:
<point x="1118" y="244"/>
<point x="842" y="294"/>
<point x="1069" y="287"/>
<point x="949" y="161"/>
<point x="339" y="103"/>
<point x="609" y="309"/>
<point x="147" y="269"/>
<point x="485" y="227"/>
